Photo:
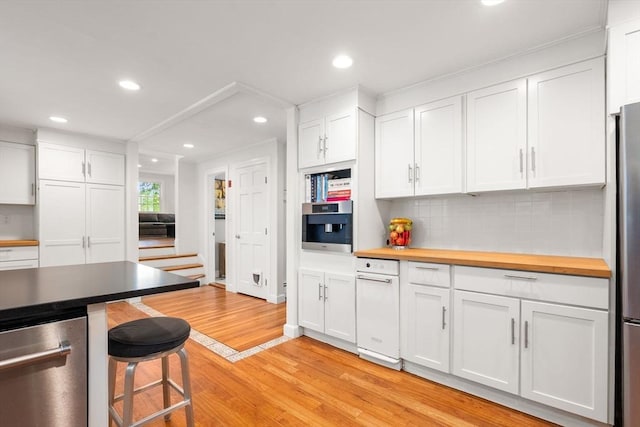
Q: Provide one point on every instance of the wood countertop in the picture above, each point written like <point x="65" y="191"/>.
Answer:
<point x="578" y="266"/>
<point x="14" y="243"/>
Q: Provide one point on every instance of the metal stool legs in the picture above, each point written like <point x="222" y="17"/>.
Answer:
<point x="132" y="363"/>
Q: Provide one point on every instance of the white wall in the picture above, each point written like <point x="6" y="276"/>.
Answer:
<point x="167" y="188"/>
<point x="187" y="231"/>
<point x="273" y="150"/>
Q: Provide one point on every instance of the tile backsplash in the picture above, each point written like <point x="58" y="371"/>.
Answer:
<point x="552" y="223"/>
<point x="16" y="222"/>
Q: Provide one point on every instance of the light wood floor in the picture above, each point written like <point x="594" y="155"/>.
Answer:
<point x="303" y="382"/>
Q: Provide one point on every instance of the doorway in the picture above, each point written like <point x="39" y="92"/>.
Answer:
<point x="217" y="228"/>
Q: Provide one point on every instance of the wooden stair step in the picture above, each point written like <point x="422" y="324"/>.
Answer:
<point x="181" y="267"/>
<point x="196" y="276"/>
<point x="157" y="257"/>
<point x="160" y="245"/>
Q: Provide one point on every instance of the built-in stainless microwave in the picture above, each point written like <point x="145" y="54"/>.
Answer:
<point x="328" y="226"/>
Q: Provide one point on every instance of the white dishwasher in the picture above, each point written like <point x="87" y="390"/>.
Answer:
<point x="378" y="311"/>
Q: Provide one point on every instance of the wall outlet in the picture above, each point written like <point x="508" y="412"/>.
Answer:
<point x="4" y="219"/>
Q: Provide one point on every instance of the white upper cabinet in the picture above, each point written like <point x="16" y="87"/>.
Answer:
<point x="64" y="163"/>
<point x="624" y="65"/>
<point x="394" y="160"/>
<point x="330" y="139"/>
<point x="438" y="147"/>
<point x="497" y="137"/>
<point x="566" y="138"/>
<point x="17" y="167"/>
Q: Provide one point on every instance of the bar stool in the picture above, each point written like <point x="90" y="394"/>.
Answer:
<point x="142" y="340"/>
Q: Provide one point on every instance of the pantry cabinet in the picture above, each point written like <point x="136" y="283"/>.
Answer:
<point x="17" y="167"/>
<point x="80" y="223"/>
<point x="566" y="118"/>
<point x="486" y="339"/>
<point x="497" y="137"/>
<point x="327" y="303"/>
<point x="66" y="163"/>
<point x="330" y="139"/>
<point x="424" y="315"/>
<point x="419" y="151"/>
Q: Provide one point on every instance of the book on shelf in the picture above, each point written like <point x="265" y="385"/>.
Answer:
<point x="326" y="187"/>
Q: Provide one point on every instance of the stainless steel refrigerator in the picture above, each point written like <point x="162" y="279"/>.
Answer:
<point x="628" y="375"/>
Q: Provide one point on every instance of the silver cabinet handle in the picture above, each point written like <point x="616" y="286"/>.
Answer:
<point x="319" y="291"/>
<point x="324" y="144"/>
<point x="237" y="236"/>
<point x="88" y="241"/>
<point x="521" y="164"/>
<point x="444" y="310"/>
<point x="62" y="351"/>
<point x="325" y="292"/>
<point x="416" y="175"/>
<point x="33" y="189"/>
<point x="533" y="159"/>
<point x="373" y="279"/>
<point x="83" y="246"/>
<point x="512" y="276"/>
<point x="410" y="174"/>
<point x="6" y="250"/>
<point x="526" y="334"/>
<point x="427" y="268"/>
<point x="513" y="331"/>
<point x="83" y="169"/>
<point x="89" y="168"/>
<point x="319" y="145"/>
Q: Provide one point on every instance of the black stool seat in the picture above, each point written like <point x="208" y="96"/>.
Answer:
<point x="143" y="337"/>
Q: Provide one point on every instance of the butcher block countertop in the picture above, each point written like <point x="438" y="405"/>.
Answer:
<point x="14" y="243"/>
<point x="577" y="266"/>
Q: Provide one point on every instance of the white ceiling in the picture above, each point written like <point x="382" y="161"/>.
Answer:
<point x="65" y="58"/>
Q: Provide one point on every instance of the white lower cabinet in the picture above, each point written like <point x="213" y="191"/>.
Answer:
<point x="564" y="357"/>
<point x="80" y="223"/>
<point x="485" y="339"/>
<point x="424" y="316"/>
<point x="327" y="303"/>
<point x="16" y="258"/>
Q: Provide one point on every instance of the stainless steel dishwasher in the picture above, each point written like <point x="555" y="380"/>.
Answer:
<point x="43" y="373"/>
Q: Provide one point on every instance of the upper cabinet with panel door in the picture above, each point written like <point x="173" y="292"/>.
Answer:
<point x="419" y="152"/>
<point x="330" y="139"/>
<point x="623" y="71"/>
<point x="17" y="166"/>
<point x="66" y="163"/>
<point x="566" y="118"/>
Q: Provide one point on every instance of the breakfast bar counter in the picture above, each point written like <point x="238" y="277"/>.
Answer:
<point x="30" y="293"/>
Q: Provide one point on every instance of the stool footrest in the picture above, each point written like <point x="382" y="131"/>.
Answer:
<point x="166" y="411"/>
<point x="171" y="382"/>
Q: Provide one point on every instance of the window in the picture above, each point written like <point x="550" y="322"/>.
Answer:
<point x="148" y="197"/>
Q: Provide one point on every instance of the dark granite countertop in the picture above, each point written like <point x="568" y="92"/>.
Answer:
<point x="33" y="291"/>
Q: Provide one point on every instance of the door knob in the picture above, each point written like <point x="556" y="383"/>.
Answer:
<point x="237" y="236"/>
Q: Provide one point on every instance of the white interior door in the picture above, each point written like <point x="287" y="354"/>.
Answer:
<point x="252" y="219"/>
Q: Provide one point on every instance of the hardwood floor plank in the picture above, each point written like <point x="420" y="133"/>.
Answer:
<point x="300" y="382"/>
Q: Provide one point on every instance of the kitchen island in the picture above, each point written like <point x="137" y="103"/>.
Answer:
<point x="30" y="293"/>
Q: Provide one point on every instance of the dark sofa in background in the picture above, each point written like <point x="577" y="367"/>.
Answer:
<point x="153" y="224"/>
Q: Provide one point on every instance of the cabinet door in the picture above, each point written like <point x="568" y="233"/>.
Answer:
<point x="340" y="137"/>
<point x="424" y="331"/>
<point x="105" y="168"/>
<point x="623" y="71"/>
<point x="438" y="147"/>
<point x="311" y="143"/>
<point x="394" y="161"/>
<point x="105" y="223"/>
<point x="62" y="223"/>
<point x="311" y="299"/>
<point x="340" y="306"/>
<point x="564" y="358"/>
<point x="485" y="339"/>
<point x="566" y="126"/>
<point x="17" y="167"/>
<point x="497" y="137"/>
<point x="61" y="162"/>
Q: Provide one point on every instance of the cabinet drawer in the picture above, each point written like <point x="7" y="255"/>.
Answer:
<point x="574" y="290"/>
<point x="17" y="265"/>
<point x="19" y="253"/>
<point x="423" y="273"/>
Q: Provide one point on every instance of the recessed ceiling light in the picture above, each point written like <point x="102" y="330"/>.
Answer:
<point x="491" y="2"/>
<point x="342" y="61"/>
<point x="58" y="119"/>
<point x="154" y="160"/>
<point x="139" y="165"/>
<point x="260" y="119"/>
<point x="129" y="85"/>
<point x="188" y="145"/>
